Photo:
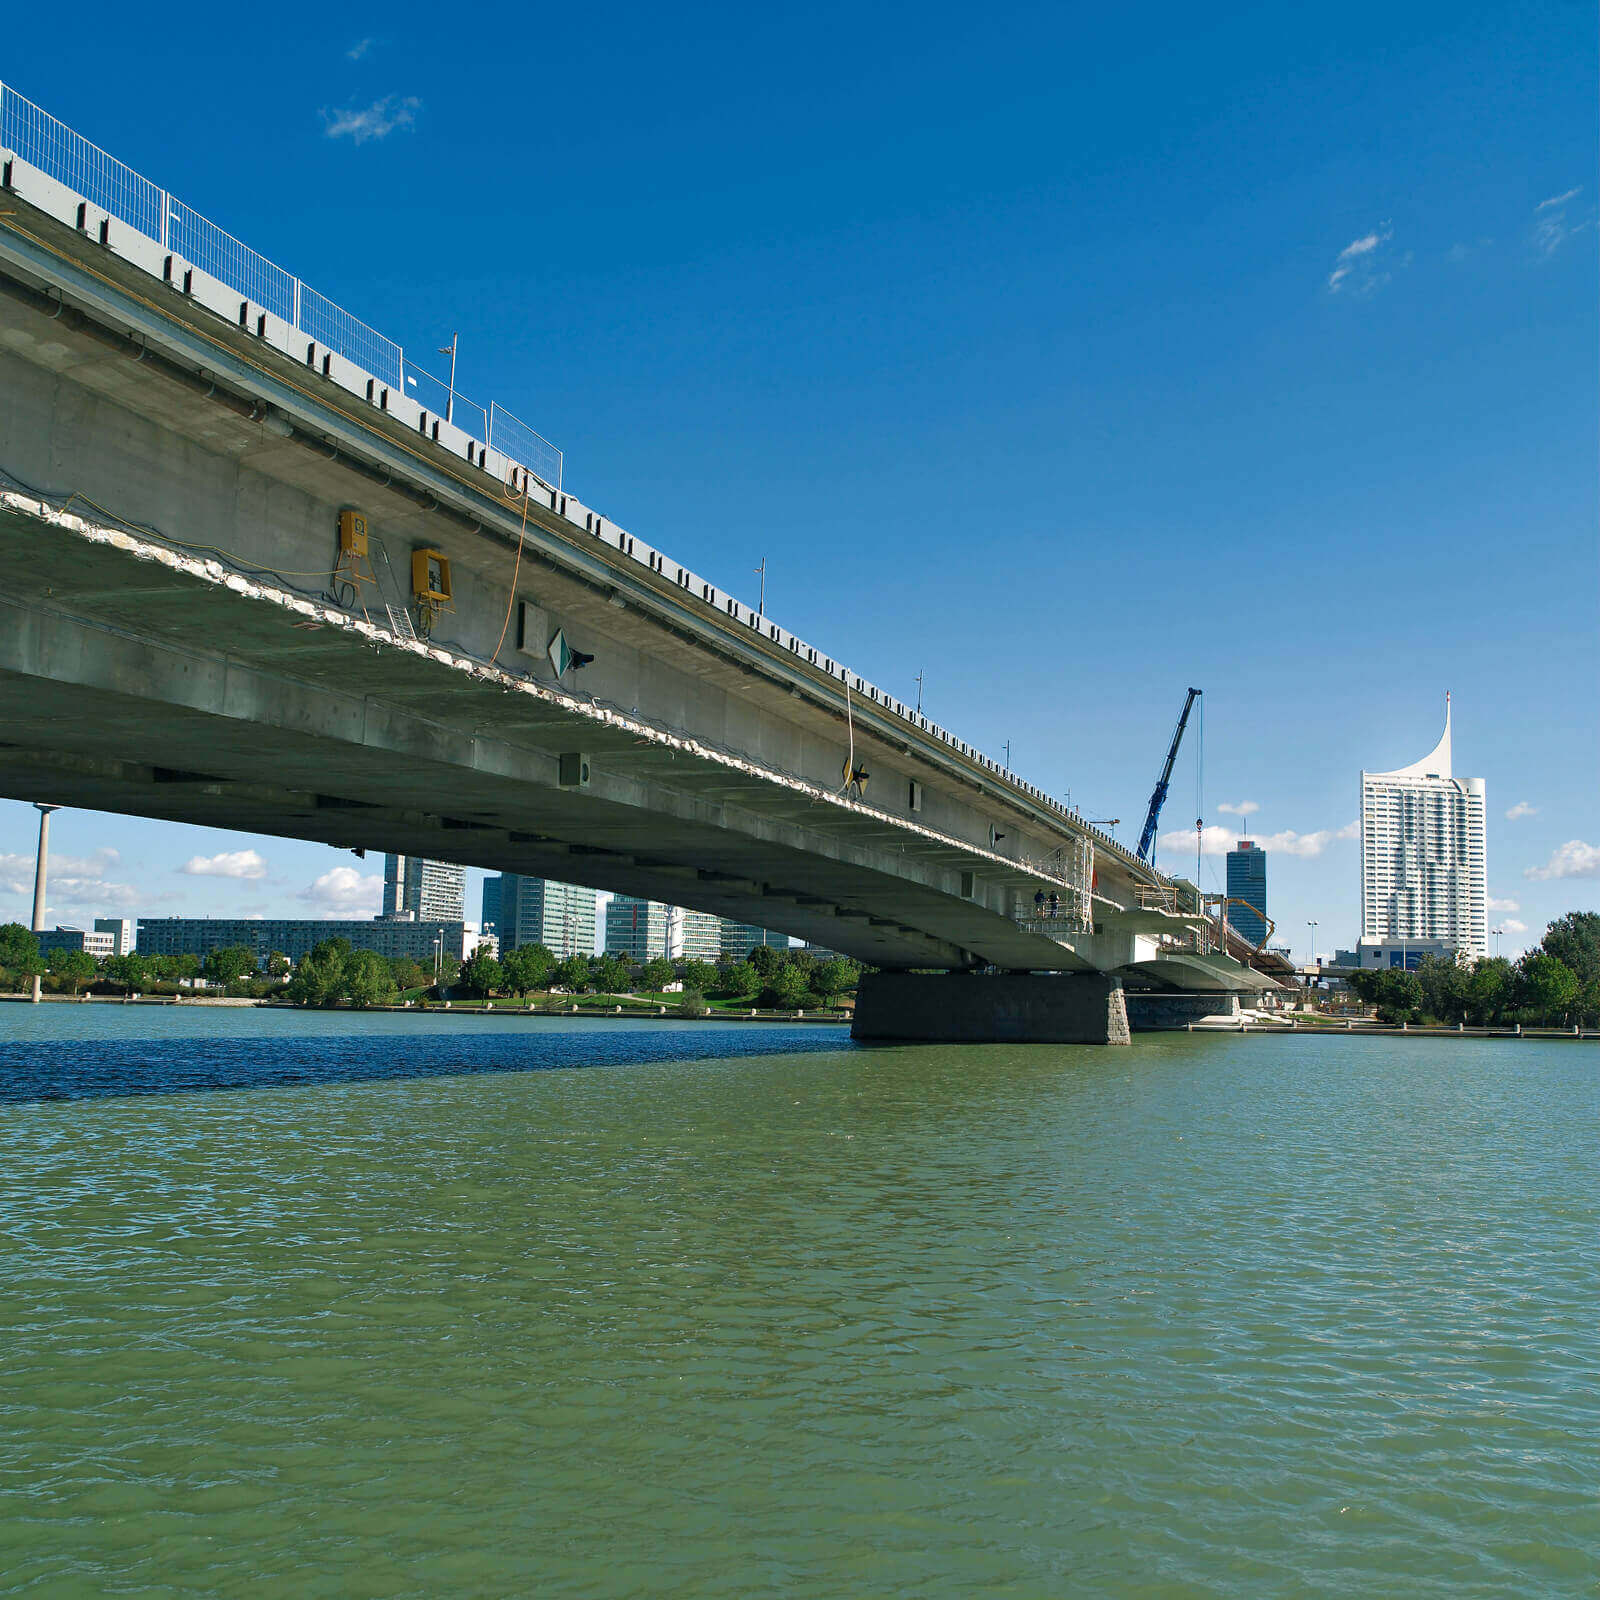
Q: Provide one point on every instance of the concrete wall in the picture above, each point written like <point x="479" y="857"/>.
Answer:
<point x="1157" y="1013"/>
<point x="1010" y="1008"/>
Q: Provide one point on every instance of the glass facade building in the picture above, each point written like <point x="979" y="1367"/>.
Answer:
<point x="1247" y="881"/>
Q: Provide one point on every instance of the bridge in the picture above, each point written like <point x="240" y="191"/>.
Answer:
<point x="258" y="577"/>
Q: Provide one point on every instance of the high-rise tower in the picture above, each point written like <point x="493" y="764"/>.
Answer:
<point x="1423" y="873"/>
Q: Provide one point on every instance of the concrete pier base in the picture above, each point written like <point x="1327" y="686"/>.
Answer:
<point x="1011" y="1008"/>
<point x="1156" y="1013"/>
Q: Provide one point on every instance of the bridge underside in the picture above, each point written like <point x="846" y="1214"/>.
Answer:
<point x="295" y="722"/>
<point x="106" y="703"/>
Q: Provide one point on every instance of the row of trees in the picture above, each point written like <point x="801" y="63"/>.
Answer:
<point x="71" y="970"/>
<point x="785" y="979"/>
<point x="1556" y="984"/>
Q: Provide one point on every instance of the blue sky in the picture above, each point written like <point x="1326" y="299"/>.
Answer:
<point x="1071" y="355"/>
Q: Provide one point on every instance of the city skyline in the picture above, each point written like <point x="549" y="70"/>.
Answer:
<point x="1170" y="340"/>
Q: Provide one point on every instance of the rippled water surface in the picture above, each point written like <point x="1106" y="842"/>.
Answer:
<point x="297" y="1305"/>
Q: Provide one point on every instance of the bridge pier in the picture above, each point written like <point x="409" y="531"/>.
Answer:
<point x="1156" y="1013"/>
<point x="1009" y="1008"/>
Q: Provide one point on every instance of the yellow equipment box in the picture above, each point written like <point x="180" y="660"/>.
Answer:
<point x="430" y="576"/>
<point x="352" y="533"/>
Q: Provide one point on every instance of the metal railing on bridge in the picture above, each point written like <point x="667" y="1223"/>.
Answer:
<point x="61" y="153"/>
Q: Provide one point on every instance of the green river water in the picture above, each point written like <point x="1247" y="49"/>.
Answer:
<point x="329" y="1306"/>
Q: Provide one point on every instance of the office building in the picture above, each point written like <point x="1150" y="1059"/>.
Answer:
<point x="1247" y="881"/>
<point x="122" y="931"/>
<point x="740" y="938"/>
<point x="1424" y="880"/>
<point x="641" y="930"/>
<point x="491" y="903"/>
<point x="97" y="943"/>
<point x="394" y="937"/>
<point x="425" y="891"/>
<point x="697" y="936"/>
<point x="560" y="916"/>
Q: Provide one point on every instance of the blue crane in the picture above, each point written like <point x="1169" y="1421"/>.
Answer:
<point x="1158" y="797"/>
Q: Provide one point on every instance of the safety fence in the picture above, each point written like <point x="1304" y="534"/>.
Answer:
<point x="56" y="150"/>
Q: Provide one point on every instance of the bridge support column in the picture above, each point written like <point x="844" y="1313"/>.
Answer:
<point x="1155" y="1013"/>
<point x="1009" y="1008"/>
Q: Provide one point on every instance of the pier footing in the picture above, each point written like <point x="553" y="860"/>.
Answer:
<point x="1007" y="1008"/>
<point x="1155" y="1013"/>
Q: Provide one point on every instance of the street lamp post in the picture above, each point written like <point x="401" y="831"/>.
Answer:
<point x="450" y="350"/>
<point x="1311" y="939"/>
<point x="1497" y="933"/>
<point x="41" y="874"/>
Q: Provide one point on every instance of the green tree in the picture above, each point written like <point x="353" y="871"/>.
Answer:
<point x="610" y="976"/>
<point x="1490" y="991"/>
<point x="1549" y="988"/>
<point x="693" y="1003"/>
<point x="480" y="973"/>
<point x="527" y="968"/>
<point x="657" y="974"/>
<point x="75" y="967"/>
<point x="278" y="964"/>
<point x="1574" y="940"/>
<point x="19" y="951"/>
<point x="739" y="980"/>
<point x="409" y="973"/>
<point x="836" y="976"/>
<point x="319" y="979"/>
<point x="368" y="979"/>
<point x="788" y="988"/>
<point x="230" y="964"/>
<point x="1398" y="995"/>
<point x="573" y="973"/>
<point x="698" y="976"/>
<point x="132" y="971"/>
<point x="766" y="959"/>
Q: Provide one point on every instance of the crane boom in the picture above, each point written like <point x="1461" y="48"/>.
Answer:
<point x="1158" y="797"/>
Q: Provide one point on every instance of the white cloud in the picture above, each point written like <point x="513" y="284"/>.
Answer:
<point x="346" y="892"/>
<point x="1551" y="227"/>
<point x="1356" y="270"/>
<point x="1245" y="808"/>
<point x="358" y="49"/>
<point x="376" y="121"/>
<point x="1511" y="925"/>
<point x="1521" y="809"/>
<point x="77" y="884"/>
<point x="228" y="864"/>
<point x="1503" y="905"/>
<point x="1574" y="859"/>
<point x="1216" y="840"/>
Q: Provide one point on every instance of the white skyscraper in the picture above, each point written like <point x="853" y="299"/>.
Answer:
<point x="426" y="891"/>
<point x="1423" y="877"/>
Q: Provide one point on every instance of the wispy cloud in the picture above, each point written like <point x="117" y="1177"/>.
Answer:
<point x="389" y="115"/>
<point x="228" y="864"/>
<point x="1559" y="199"/>
<point x="1521" y="809"/>
<point x="358" y="49"/>
<point x="1552" y="226"/>
<point x="1245" y="808"/>
<point x="1503" y="905"/>
<point x="345" y="891"/>
<point x="1511" y="925"/>
<point x="1216" y="840"/>
<point x="1574" y="859"/>
<point x="1357" y="271"/>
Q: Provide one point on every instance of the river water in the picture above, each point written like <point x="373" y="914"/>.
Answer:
<point x="331" y="1306"/>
